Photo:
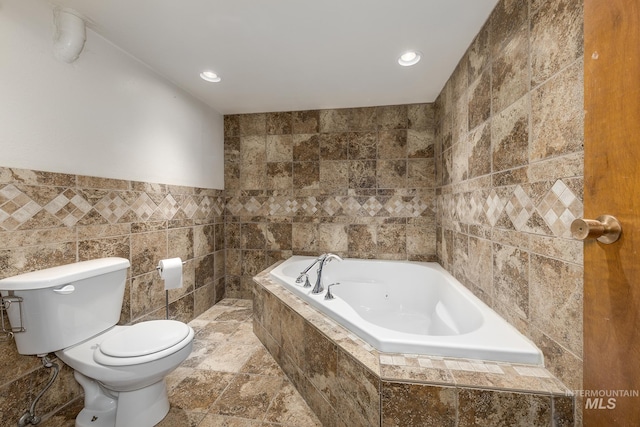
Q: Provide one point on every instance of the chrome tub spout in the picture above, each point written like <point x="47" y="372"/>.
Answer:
<point x="325" y="259"/>
<point x="304" y="276"/>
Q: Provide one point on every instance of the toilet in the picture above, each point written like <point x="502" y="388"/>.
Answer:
<point x="73" y="310"/>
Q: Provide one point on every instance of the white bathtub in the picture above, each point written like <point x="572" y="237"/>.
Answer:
<point x="410" y="307"/>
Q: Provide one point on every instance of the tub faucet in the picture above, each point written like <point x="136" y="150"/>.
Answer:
<point x="324" y="259"/>
<point x="304" y="276"/>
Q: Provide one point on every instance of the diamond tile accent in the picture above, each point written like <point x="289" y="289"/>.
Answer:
<point x="372" y="206"/>
<point x="351" y="207"/>
<point x="204" y="207"/>
<point x="234" y="206"/>
<point x="273" y="205"/>
<point x="144" y="207"/>
<point x="218" y="205"/>
<point x="519" y="208"/>
<point x="168" y="207"/>
<point x="190" y="207"/>
<point x="475" y="208"/>
<point x="416" y="206"/>
<point x="331" y="206"/>
<point x="396" y="206"/>
<point x="291" y="206"/>
<point x="493" y="207"/>
<point x="111" y="207"/>
<point x="26" y="211"/>
<point x="309" y="205"/>
<point x="559" y="207"/>
<point x="253" y="206"/>
<point x="9" y="192"/>
<point x="16" y="207"/>
<point x="68" y="207"/>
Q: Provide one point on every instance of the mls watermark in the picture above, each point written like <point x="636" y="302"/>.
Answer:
<point x="603" y="399"/>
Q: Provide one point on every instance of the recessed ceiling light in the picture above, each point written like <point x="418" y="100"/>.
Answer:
<point x="210" y="76"/>
<point x="409" y="58"/>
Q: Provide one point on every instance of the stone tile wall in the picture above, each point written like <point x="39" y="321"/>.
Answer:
<point x="50" y="219"/>
<point x="509" y="167"/>
<point x="358" y="182"/>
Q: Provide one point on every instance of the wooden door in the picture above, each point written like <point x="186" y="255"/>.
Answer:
<point x="612" y="186"/>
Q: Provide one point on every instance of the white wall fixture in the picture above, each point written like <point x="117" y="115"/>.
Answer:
<point x="70" y="35"/>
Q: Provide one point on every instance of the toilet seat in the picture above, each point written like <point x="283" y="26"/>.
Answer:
<point x="142" y="343"/>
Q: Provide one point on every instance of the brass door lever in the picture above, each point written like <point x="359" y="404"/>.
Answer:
<point x="605" y="229"/>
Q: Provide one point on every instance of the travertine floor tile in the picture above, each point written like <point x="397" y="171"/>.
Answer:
<point x="229" y="357"/>
<point x="289" y="408"/>
<point x="198" y="391"/>
<point x="261" y="362"/>
<point x="248" y="396"/>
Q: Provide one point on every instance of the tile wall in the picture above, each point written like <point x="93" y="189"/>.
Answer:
<point x="357" y="182"/>
<point x="505" y="140"/>
<point x="50" y="219"/>
<point x="509" y="168"/>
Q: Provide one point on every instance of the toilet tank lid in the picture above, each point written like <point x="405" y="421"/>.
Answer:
<point x="63" y="274"/>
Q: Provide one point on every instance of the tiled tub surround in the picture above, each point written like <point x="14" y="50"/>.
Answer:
<point x="49" y="219"/>
<point x="348" y="383"/>
<point x="509" y="172"/>
<point x="358" y="182"/>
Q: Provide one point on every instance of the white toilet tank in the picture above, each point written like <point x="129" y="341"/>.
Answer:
<point x="65" y="305"/>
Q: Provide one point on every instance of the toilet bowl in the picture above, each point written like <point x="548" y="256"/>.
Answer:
<point x="72" y="310"/>
<point x="122" y="371"/>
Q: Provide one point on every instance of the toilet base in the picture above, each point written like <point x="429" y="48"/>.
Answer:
<point x="141" y="408"/>
<point x="91" y="417"/>
<point x="144" y="407"/>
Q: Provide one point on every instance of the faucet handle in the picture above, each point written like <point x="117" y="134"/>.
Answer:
<point x="305" y="277"/>
<point x="329" y="295"/>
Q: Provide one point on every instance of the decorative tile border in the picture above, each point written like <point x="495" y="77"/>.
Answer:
<point x="373" y="206"/>
<point x="68" y="206"/>
<point x="513" y="208"/>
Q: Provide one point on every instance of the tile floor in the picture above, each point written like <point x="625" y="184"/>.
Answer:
<point x="230" y="380"/>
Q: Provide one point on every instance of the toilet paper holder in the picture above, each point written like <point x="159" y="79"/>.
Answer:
<point x="158" y="268"/>
<point x="166" y="292"/>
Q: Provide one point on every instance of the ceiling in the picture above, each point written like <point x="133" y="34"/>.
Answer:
<point x="286" y="55"/>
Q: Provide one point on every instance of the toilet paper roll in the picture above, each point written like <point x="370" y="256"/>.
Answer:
<point x="171" y="273"/>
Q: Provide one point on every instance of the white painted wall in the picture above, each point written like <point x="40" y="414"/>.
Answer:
<point x="106" y="115"/>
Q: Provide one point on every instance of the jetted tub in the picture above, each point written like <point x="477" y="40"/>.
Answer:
<point x="410" y="307"/>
